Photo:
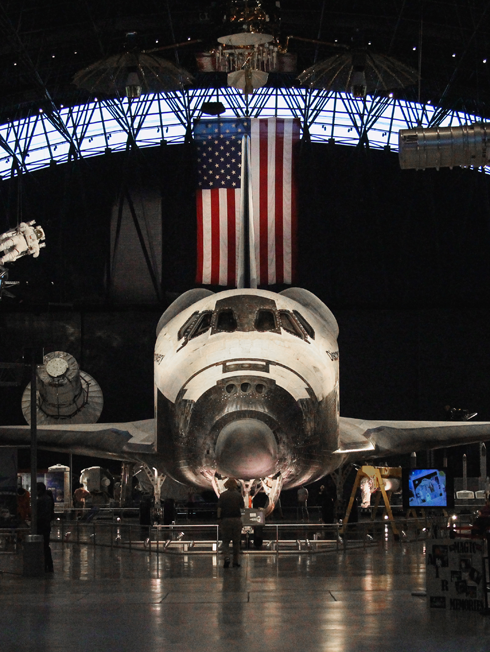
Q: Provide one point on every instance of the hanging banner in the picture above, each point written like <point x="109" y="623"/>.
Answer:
<point x="273" y="198"/>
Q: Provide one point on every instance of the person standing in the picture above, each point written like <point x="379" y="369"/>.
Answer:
<point x="328" y="495"/>
<point x="45" y="514"/>
<point x="80" y="495"/>
<point x="303" y="503"/>
<point x="23" y="506"/>
<point x="230" y="504"/>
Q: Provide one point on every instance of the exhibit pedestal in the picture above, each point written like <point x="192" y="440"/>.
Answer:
<point x="33" y="557"/>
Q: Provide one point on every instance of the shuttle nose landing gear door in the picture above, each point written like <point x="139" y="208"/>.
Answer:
<point x="270" y="485"/>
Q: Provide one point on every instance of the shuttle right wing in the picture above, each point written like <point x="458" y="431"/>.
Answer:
<point x="365" y="438"/>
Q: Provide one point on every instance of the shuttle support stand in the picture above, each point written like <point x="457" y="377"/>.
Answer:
<point x="376" y="474"/>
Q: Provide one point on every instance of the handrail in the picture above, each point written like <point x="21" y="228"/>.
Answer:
<point x="204" y="538"/>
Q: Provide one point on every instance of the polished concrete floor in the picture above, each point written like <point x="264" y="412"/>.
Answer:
<point x="100" y="599"/>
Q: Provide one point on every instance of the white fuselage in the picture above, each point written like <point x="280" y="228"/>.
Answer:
<point x="271" y="375"/>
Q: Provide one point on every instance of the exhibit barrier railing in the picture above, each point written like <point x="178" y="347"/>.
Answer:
<point x="184" y="514"/>
<point x="11" y="539"/>
<point x="270" y="538"/>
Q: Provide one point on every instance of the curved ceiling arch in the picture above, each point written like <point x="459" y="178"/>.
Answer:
<point x="98" y="127"/>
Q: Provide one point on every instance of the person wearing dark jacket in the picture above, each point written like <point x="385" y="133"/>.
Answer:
<point x="45" y="514"/>
<point x="230" y="504"/>
<point x="328" y="495"/>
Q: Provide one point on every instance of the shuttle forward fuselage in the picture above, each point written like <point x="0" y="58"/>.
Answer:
<point x="246" y="385"/>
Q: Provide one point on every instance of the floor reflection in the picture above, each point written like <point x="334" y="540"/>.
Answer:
<point x="109" y="598"/>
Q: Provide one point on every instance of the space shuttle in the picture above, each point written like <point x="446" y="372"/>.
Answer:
<point x="246" y="385"/>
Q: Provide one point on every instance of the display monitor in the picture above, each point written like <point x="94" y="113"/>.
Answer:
<point x="427" y="488"/>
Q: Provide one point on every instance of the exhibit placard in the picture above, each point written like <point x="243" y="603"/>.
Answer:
<point x="454" y="576"/>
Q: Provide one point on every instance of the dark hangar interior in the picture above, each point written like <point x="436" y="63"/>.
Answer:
<point x="400" y="256"/>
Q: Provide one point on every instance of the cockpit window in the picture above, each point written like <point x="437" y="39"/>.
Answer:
<point x="248" y="311"/>
<point x="265" y="320"/>
<point x="289" y="324"/>
<point x="202" y="325"/>
<point x="308" y="328"/>
<point x="187" y="327"/>
<point x="226" y="321"/>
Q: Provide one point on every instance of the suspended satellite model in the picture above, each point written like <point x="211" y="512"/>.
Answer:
<point x="250" y="51"/>
<point x="131" y="74"/>
<point x="359" y="72"/>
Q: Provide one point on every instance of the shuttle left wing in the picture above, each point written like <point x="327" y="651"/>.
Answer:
<point x="121" y="441"/>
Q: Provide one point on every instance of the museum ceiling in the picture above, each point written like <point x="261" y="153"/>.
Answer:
<point x="44" y="44"/>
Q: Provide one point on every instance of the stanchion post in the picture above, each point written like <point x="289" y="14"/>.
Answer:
<point x="33" y="559"/>
<point x="485" y="611"/>
<point x="32" y="353"/>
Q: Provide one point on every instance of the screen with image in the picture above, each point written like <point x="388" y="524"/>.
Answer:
<point x="427" y="488"/>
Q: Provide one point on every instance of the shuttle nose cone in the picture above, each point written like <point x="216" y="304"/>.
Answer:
<point x="246" y="449"/>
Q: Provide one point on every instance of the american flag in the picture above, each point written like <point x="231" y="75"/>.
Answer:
<point x="218" y="198"/>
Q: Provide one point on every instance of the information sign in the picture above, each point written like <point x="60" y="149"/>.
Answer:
<point x="455" y="574"/>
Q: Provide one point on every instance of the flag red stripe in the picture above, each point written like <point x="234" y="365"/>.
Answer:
<point x="294" y="199"/>
<point x="279" y="221"/>
<point x="274" y="154"/>
<point x="263" y="204"/>
<point x="231" y="237"/>
<point x="200" y="237"/>
<point x="215" y="231"/>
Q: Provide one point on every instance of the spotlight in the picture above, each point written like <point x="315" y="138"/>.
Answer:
<point x="133" y="85"/>
<point x="358" y="83"/>
<point x="212" y="108"/>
